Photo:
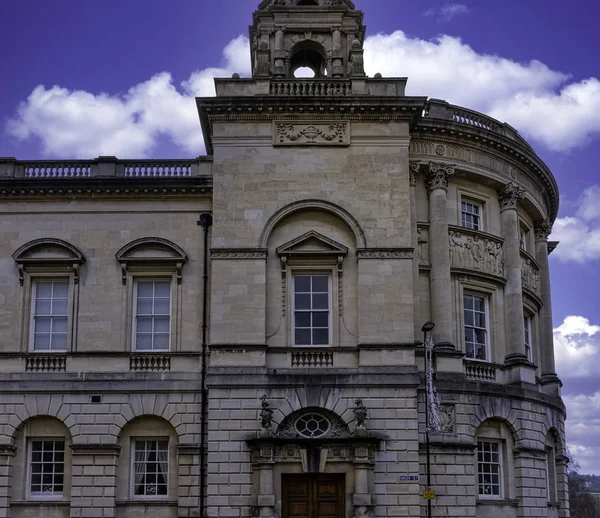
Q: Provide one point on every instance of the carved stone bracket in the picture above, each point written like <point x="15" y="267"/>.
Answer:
<point x="447" y="419"/>
<point x="510" y="196"/>
<point x="238" y="253"/>
<point x="476" y="253"/>
<point x="439" y="174"/>
<point x="385" y="253"/>
<point x="543" y="229"/>
<point x="318" y="133"/>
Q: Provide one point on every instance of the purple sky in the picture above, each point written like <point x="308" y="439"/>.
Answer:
<point x="98" y="65"/>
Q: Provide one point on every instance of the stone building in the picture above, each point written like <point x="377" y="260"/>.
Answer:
<point x="331" y="218"/>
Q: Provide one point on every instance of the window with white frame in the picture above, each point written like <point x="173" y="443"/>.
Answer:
<point x="471" y="215"/>
<point x="150" y="468"/>
<point x="476" y="326"/>
<point x="311" y="309"/>
<point x="152" y="329"/>
<point x="489" y="469"/>
<point x="527" y="327"/>
<point x="46" y="468"/>
<point x="49" y="326"/>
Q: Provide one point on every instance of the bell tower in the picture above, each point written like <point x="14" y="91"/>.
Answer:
<point x="325" y="36"/>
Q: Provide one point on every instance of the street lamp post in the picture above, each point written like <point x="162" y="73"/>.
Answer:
<point x="427" y="328"/>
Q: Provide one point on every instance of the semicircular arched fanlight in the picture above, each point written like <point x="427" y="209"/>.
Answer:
<point x="312" y="425"/>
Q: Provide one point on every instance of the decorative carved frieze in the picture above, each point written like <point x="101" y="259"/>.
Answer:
<point x="530" y="276"/>
<point x="439" y="174"/>
<point x="422" y="240"/>
<point x="238" y="253"/>
<point x="318" y="133"/>
<point x="385" y="253"/>
<point x="543" y="229"/>
<point x="477" y="253"/>
<point x="510" y="196"/>
<point x="447" y="419"/>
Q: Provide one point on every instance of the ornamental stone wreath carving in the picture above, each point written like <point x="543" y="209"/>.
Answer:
<point x="312" y="134"/>
<point x="472" y="252"/>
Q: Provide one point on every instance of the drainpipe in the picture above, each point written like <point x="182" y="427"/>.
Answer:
<point x="205" y="222"/>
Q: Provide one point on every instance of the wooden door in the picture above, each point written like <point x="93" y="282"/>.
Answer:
<point x="313" y="495"/>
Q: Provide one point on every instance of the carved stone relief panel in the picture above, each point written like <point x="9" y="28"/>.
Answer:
<point x="530" y="276"/>
<point x="476" y="253"/>
<point x="317" y="133"/>
<point x="422" y="242"/>
<point x="447" y="419"/>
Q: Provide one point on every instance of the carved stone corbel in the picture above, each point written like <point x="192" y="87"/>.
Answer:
<point x="414" y="168"/>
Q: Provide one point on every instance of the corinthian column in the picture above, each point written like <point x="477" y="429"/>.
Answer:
<point x="439" y="252"/>
<point x="542" y="231"/>
<point x="513" y="291"/>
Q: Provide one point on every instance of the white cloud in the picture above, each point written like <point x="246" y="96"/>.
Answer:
<point x="74" y="123"/>
<point x="446" y="12"/>
<point x="579" y="235"/>
<point x="577" y="348"/>
<point x="532" y="97"/>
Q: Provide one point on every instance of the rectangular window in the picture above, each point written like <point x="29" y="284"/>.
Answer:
<point x="475" y="315"/>
<point x="50" y="315"/>
<point x="471" y="215"/>
<point x="150" y="468"/>
<point x="152" y="315"/>
<point x="523" y="239"/>
<point x="489" y="469"/>
<point x="311" y="310"/>
<point x="527" y="326"/>
<point x="46" y="468"/>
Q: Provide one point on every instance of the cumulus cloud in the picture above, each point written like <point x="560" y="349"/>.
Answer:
<point x="446" y="12"/>
<point x="75" y="123"/>
<point x="577" y="348"/>
<point x="579" y="235"/>
<point x="532" y="97"/>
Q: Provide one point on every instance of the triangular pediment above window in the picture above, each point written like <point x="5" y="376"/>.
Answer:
<point x="312" y="244"/>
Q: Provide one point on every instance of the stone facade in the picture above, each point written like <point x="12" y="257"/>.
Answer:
<point x="401" y="209"/>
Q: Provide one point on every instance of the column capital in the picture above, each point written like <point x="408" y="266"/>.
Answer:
<point x="510" y="196"/>
<point x="439" y="174"/>
<point x="414" y="168"/>
<point x="542" y="230"/>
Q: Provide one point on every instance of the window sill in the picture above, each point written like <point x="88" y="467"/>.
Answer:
<point x="147" y="503"/>
<point x="500" y="502"/>
<point x="41" y="502"/>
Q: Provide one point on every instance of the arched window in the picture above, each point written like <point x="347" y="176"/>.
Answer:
<point x="42" y="466"/>
<point x="148" y="460"/>
<point x="551" y="444"/>
<point x="494" y="460"/>
<point x="313" y="423"/>
<point x="308" y="55"/>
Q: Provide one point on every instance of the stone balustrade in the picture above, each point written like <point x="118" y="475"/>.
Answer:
<point x="316" y="358"/>
<point x="476" y="251"/>
<point x="103" y="167"/>
<point x="150" y="363"/>
<point x="481" y="371"/>
<point x="310" y="88"/>
<point x="45" y="363"/>
<point x="530" y="274"/>
<point x="438" y="109"/>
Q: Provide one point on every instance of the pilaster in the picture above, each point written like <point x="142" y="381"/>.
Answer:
<point x="551" y="382"/>
<point x="439" y="252"/>
<point x="6" y="456"/>
<point x="94" y="480"/>
<point x="414" y="169"/>
<point x="519" y="369"/>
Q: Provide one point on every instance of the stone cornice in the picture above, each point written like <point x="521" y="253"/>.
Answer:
<point x="270" y="107"/>
<point x="101" y="187"/>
